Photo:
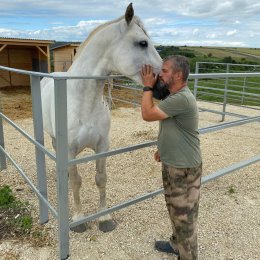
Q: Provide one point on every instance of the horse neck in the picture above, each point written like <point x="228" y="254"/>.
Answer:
<point x="94" y="60"/>
<point x="89" y="63"/>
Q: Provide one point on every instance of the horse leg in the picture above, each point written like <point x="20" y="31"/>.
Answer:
<point x="106" y="223"/>
<point x="75" y="184"/>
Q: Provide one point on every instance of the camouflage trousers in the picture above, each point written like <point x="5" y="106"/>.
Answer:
<point x="182" y="193"/>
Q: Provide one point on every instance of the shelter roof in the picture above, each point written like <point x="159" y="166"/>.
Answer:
<point x="58" y="45"/>
<point x="24" y="41"/>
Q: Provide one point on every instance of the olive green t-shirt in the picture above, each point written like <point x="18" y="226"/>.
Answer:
<point x="178" y="140"/>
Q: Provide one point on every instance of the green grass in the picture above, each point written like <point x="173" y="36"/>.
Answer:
<point x="231" y="190"/>
<point x="6" y="196"/>
<point x="221" y="52"/>
<point x="215" y="52"/>
<point x="17" y="215"/>
<point x="249" y="85"/>
<point x="16" y="221"/>
<point x="253" y="51"/>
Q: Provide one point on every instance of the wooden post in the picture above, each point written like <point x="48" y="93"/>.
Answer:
<point x="9" y="65"/>
<point x="48" y="59"/>
<point x="3" y="47"/>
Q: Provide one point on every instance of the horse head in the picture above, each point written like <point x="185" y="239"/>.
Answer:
<point x="119" y="46"/>
<point x="133" y="48"/>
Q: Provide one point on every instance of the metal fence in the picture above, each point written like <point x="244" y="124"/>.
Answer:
<point x="240" y="91"/>
<point x="61" y="211"/>
<point x="243" y="89"/>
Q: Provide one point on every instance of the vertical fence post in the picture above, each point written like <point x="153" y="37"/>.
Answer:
<point x="225" y="95"/>
<point x="244" y="90"/>
<point x="136" y="95"/>
<point x="195" y="90"/>
<point x="39" y="137"/>
<point x="2" y="143"/>
<point x="110" y="87"/>
<point x="61" y="130"/>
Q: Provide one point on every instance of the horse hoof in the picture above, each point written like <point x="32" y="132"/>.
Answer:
<point x="107" y="225"/>
<point x="79" y="229"/>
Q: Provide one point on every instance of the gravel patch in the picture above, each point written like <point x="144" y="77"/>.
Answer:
<point x="229" y="217"/>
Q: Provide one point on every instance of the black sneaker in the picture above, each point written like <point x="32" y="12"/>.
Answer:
<point x="164" y="246"/>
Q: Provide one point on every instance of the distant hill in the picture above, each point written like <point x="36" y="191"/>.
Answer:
<point x="221" y="52"/>
<point x="212" y="54"/>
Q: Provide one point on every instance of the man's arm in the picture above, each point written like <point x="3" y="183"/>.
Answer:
<point x="151" y="112"/>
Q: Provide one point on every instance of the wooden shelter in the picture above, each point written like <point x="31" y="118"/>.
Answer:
<point x="63" y="56"/>
<point x="25" y="54"/>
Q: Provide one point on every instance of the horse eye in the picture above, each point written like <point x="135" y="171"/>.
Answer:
<point x="143" y="44"/>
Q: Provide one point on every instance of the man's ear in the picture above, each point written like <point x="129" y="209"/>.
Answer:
<point x="179" y="75"/>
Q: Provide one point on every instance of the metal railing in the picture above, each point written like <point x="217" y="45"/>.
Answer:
<point x="241" y="91"/>
<point x="205" y="87"/>
<point x="61" y="212"/>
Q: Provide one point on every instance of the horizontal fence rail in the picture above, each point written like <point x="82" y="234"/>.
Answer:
<point x="61" y="155"/>
<point x="205" y="179"/>
<point x="241" y="90"/>
<point x="148" y="144"/>
<point x="62" y="75"/>
<point x="31" y="139"/>
<point x="30" y="183"/>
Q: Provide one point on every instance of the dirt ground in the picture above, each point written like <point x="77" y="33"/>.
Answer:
<point x="16" y="101"/>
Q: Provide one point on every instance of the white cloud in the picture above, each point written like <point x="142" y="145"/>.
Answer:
<point x="211" y="36"/>
<point x="209" y="8"/>
<point x="3" y="30"/>
<point x="230" y="33"/>
<point x="154" y="21"/>
<point x="66" y="8"/>
<point x="90" y="23"/>
<point x="195" y="31"/>
<point x="57" y="23"/>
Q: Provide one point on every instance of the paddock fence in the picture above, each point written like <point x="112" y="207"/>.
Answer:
<point x="242" y="91"/>
<point x="61" y="211"/>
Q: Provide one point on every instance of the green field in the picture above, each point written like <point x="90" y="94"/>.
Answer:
<point x="224" y="51"/>
<point x="253" y="51"/>
<point x="240" y="88"/>
<point x="213" y="54"/>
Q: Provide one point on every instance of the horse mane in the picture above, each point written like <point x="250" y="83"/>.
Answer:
<point x="136" y="19"/>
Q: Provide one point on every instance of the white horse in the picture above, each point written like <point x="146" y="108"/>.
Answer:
<point x="119" y="46"/>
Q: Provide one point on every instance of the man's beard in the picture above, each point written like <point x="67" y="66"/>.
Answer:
<point x="168" y="84"/>
<point x="165" y="85"/>
<point x="160" y="91"/>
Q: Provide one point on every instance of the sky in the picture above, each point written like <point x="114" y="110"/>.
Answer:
<point x="225" y="23"/>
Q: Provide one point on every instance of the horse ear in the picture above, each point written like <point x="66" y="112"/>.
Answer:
<point x="129" y="13"/>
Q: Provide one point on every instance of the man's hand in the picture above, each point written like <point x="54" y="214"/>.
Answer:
<point x="150" y="112"/>
<point x="148" y="76"/>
